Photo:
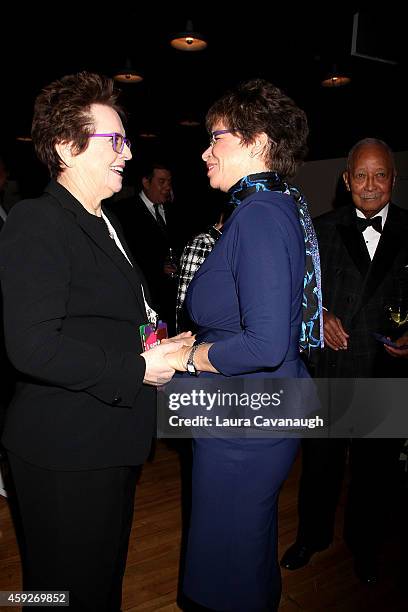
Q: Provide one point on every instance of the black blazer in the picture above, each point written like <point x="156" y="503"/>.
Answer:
<point x="72" y="309"/>
<point x="357" y="290"/>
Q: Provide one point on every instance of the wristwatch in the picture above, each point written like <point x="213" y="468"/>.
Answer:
<point x="191" y="369"/>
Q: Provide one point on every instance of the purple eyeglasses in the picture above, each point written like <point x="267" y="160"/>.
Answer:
<point x="118" y="141"/>
<point x="217" y="133"/>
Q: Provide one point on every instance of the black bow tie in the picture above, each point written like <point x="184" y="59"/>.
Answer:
<point x="374" y="222"/>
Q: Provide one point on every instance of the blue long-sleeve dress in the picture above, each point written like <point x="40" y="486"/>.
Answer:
<point x="247" y="299"/>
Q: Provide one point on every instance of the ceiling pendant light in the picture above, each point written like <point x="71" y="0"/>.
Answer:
<point x="128" y="74"/>
<point x="335" y="78"/>
<point x="188" y="40"/>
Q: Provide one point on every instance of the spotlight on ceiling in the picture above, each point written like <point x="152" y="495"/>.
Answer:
<point x="189" y="122"/>
<point x="147" y="135"/>
<point x="335" y="78"/>
<point x="188" y="40"/>
<point x="128" y="74"/>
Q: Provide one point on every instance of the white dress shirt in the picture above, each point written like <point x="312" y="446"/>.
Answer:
<point x="370" y="235"/>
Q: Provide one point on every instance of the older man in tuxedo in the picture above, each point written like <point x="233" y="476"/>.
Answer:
<point x="364" y="255"/>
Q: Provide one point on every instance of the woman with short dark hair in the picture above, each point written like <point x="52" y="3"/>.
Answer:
<point x="246" y="300"/>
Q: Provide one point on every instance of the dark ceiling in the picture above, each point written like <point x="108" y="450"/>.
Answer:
<point x="291" y="47"/>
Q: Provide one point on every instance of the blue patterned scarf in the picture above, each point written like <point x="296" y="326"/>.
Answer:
<point x="311" y="335"/>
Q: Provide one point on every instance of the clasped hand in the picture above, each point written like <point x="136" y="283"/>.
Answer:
<point x="178" y="359"/>
<point x="162" y="360"/>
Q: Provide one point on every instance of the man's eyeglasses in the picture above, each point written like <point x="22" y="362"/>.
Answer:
<point x="118" y="141"/>
<point x="214" y="135"/>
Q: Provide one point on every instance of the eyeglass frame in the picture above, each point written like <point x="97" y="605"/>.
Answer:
<point x="217" y="133"/>
<point x="114" y="136"/>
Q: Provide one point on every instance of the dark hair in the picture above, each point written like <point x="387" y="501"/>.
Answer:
<point x="257" y="107"/>
<point x="148" y="168"/>
<point x="62" y="113"/>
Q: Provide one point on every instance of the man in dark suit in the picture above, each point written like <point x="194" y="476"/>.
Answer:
<point x="364" y="258"/>
<point x="149" y="227"/>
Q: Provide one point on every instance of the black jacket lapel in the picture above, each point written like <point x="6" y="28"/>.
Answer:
<point x="162" y="228"/>
<point x="97" y="231"/>
<point x="393" y="238"/>
<point x="354" y="242"/>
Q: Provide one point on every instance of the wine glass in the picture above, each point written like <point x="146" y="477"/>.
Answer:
<point x="397" y="312"/>
<point x="171" y="264"/>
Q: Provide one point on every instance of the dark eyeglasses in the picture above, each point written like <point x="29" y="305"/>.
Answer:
<point x="118" y="141"/>
<point x="217" y="133"/>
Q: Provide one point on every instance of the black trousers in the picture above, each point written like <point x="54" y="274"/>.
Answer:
<point x="372" y="489"/>
<point x="75" y="528"/>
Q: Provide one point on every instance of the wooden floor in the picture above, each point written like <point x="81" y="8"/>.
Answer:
<point x="150" y="584"/>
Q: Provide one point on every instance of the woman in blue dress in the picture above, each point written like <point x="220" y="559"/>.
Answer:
<point x="254" y="300"/>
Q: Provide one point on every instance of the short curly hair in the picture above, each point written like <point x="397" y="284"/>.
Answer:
<point x="256" y="107"/>
<point x="62" y="113"/>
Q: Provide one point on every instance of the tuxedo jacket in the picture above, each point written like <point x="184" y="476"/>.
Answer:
<point x="72" y="309"/>
<point x="358" y="290"/>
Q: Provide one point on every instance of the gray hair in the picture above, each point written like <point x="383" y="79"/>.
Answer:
<point x="369" y="141"/>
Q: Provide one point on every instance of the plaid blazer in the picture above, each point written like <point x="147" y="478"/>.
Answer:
<point x="194" y="254"/>
<point x="357" y="290"/>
